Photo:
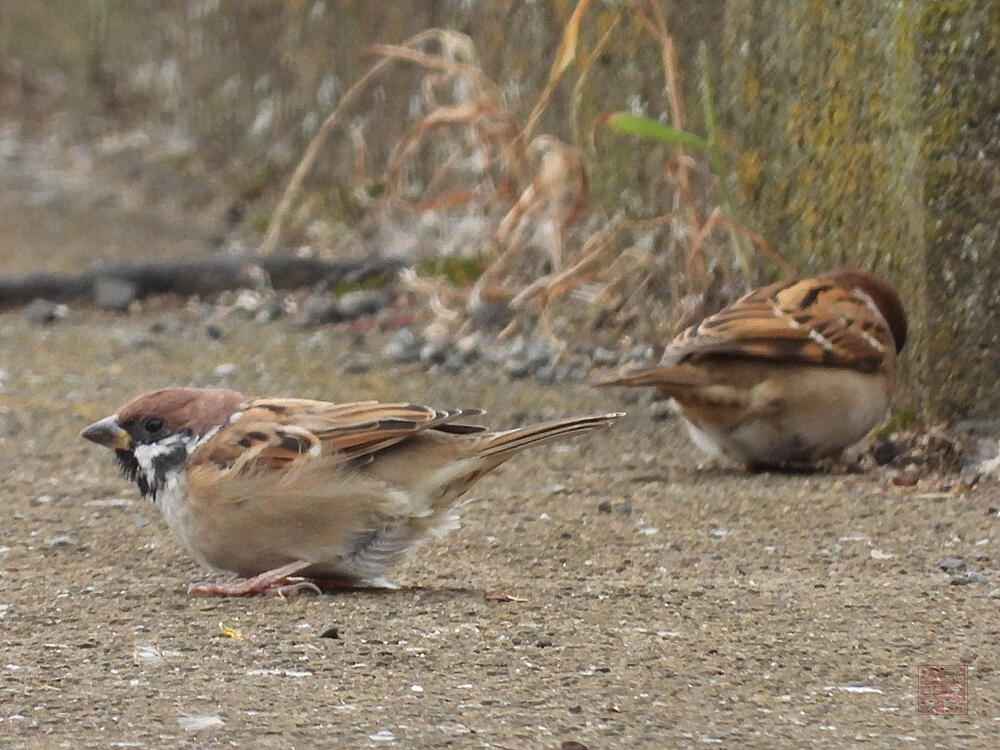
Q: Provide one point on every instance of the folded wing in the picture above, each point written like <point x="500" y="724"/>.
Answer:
<point x="274" y="433"/>
<point x="812" y="321"/>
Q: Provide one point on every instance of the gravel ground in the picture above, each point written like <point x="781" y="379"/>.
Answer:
<point x="655" y="600"/>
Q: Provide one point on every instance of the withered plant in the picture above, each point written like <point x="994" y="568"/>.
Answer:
<point x="539" y="244"/>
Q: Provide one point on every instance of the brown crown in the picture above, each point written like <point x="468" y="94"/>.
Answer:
<point x="195" y="409"/>
<point x="883" y="295"/>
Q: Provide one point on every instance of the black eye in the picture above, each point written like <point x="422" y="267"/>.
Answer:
<point x="153" y="425"/>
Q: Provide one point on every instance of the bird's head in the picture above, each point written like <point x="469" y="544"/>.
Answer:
<point x="881" y="294"/>
<point x="153" y="434"/>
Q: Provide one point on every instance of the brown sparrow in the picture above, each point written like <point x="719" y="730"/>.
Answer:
<point x="789" y="374"/>
<point x="297" y="494"/>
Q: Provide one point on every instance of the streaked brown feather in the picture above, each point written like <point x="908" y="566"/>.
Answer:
<point x="275" y="432"/>
<point x="812" y="321"/>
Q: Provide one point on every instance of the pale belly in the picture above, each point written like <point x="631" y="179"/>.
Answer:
<point x="798" y="421"/>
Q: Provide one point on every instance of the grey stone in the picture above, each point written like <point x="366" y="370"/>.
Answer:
<point x="970" y="474"/>
<point x="602" y="356"/>
<point x="112" y="293"/>
<point x="972" y="576"/>
<point x="320" y="309"/>
<point x="42" y="311"/>
<point x="491" y="315"/>
<point x="354" y="364"/>
<point x="951" y="563"/>
<point x="355" y="304"/>
<point x="403" y="347"/>
<point x="272" y="310"/>
<point x="436" y="352"/>
<point x="546" y="374"/>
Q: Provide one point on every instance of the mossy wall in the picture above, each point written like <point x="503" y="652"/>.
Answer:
<point x="867" y="133"/>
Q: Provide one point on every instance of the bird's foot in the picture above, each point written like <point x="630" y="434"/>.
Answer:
<point x="278" y="582"/>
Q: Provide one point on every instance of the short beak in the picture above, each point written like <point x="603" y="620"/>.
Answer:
<point x="109" y="433"/>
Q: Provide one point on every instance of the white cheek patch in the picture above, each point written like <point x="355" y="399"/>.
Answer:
<point x="147" y="454"/>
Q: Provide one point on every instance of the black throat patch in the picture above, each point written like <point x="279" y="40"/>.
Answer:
<point x="160" y="460"/>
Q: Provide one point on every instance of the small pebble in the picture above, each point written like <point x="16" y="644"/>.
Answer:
<point x="602" y="356"/>
<point x="332" y="632"/>
<point x="624" y="509"/>
<point x="435" y="352"/>
<point x="351" y="364"/>
<point x="517" y="368"/>
<point x="320" y="309"/>
<point x="60" y="542"/>
<point x="970" y="475"/>
<point x="469" y="346"/>
<point x="455" y="362"/>
<point x="271" y="311"/>
<point x="44" y="311"/>
<point x="115" y="294"/>
<point x="140" y="342"/>
<point x="355" y="304"/>
<point x="200" y="723"/>
<point x="604" y="506"/>
<point x="971" y="577"/>
<point x="213" y="331"/>
<point x="224" y="370"/>
<point x="951" y="563"/>
<point x="491" y="315"/>
<point x="546" y="374"/>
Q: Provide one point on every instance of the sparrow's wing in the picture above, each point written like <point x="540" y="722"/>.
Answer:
<point x="275" y="432"/>
<point x="812" y="321"/>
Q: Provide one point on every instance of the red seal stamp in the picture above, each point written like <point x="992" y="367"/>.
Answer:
<point x="943" y="690"/>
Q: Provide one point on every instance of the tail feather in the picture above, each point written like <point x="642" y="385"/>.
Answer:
<point x="512" y="441"/>
<point x="666" y="377"/>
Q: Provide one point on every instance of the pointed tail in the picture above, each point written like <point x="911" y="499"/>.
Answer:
<point x="511" y="441"/>
<point x="666" y="377"/>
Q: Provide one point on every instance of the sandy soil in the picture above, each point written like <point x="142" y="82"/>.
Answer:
<point x="707" y="608"/>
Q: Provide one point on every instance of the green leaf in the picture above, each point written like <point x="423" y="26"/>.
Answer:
<point x="624" y="122"/>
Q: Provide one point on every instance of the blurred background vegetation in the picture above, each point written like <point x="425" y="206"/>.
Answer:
<point x="509" y="157"/>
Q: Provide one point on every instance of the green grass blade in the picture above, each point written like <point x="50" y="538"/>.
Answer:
<point x="625" y="122"/>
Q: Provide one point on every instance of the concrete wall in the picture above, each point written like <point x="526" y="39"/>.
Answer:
<point x="868" y="133"/>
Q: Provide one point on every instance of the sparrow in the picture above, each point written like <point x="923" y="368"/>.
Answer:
<point x="789" y="374"/>
<point x="295" y="494"/>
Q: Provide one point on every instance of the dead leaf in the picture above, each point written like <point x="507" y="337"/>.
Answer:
<point x="230" y="632"/>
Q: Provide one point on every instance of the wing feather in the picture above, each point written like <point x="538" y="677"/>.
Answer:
<point x="274" y="433"/>
<point x="812" y="321"/>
